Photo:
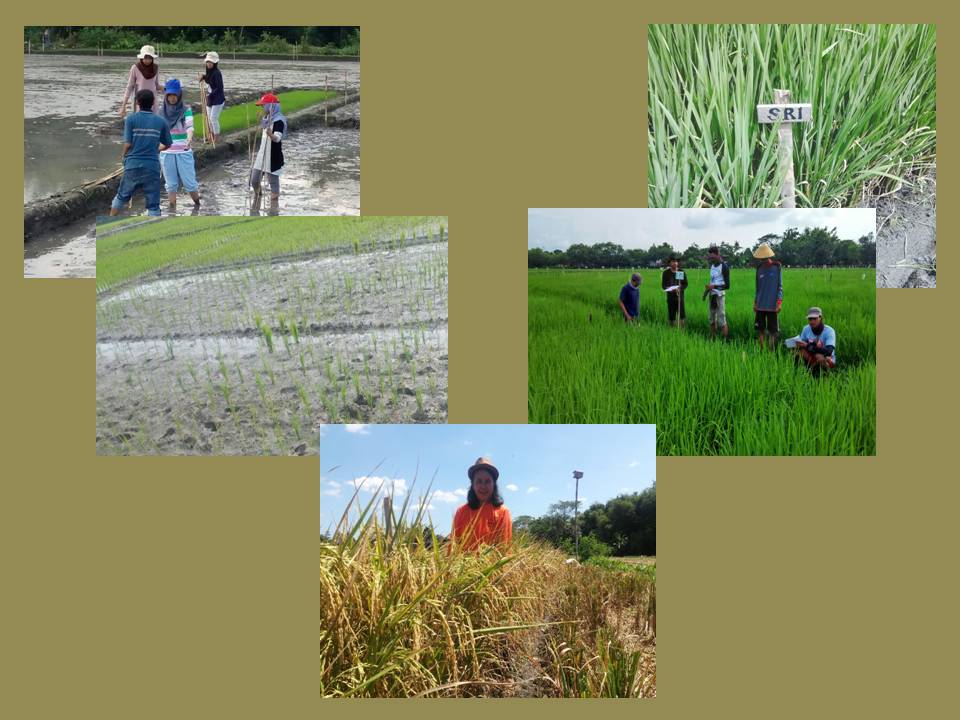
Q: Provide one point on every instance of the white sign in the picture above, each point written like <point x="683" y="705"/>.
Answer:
<point x="788" y="113"/>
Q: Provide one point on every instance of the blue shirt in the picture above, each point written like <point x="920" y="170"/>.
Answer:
<point x="145" y="131"/>
<point x="769" y="287"/>
<point x="827" y="337"/>
<point x="630" y="297"/>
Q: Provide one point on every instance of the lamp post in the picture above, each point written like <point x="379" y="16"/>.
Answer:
<point x="576" y="511"/>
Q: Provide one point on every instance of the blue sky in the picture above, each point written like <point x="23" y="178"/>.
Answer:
<point x="536" y="464"/>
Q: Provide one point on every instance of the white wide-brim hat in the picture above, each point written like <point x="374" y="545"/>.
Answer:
<point x="212" y="57"/>
<point x="147" y="50"/>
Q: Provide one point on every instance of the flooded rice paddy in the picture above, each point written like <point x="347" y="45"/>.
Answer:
<point x="253" y="359"/>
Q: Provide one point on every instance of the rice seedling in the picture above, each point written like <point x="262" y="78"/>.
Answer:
<point x="706" y="397"/>
<point x="403" y="615"/>
<point x="872" y="88"/>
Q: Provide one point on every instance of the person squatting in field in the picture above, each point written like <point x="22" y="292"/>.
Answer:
<point x="144" y="75"/>
<point x="817" y="345"/>
<point x="144" y="136"/>
<point x="674" y="283"/>
<point x="630" y="298"/>
<point x="768" y="296"/>
<point x="215" y="96"/>
<point x="484" y="519"/>
<point x="715" y="291"/>
<point x="177" y="160"/>
<point x="269" y="158"/>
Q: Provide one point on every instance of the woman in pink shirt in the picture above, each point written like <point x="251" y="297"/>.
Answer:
<point x="144" y="75"/>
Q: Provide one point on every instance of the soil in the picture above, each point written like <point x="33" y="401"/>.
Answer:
<point x="907" y="235"/>
<point x="183" y="369"/>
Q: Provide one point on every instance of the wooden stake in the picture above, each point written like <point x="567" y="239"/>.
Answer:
<point x="788" y="198"/>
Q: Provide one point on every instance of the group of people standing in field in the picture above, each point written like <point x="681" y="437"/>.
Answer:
<point x="815" y="346"/>
<point x="158" y="136"/>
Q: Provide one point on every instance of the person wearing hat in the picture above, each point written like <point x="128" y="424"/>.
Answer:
<point x="484" y="519"/>
<point x="215" y="97"/>
<point x="630" y="298"/>
<point x="674" y="282"/>
<point x="716" y="289"/>
<point x="145" y="134"/>
<point x="269" y="158"/>
<point x="768" y="296"/>
<point x="144" y="75"/>
<point x="177" y="160"/>
<point x="817" y="345"/>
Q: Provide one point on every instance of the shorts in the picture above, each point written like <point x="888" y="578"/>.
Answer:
<point x="767" y="321"/>
<point x="147" y="180"/>
<point x="674" y="299"/>
<point x="274" y="181"/>
<point x="178" y="171"/>
<point x="718" y="310"/>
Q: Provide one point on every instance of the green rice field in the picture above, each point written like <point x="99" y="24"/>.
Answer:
<point x="586" y="365"/>
<point x="873" y="94"/>
<point x="245" y="115"/>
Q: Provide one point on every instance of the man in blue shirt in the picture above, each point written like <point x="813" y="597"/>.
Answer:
<point x="145" y="134"/>
<point x="630" y="298"/>
<point x="768" y="297"/>
<point x="818" y="343"/>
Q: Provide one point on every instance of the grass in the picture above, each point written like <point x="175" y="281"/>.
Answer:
<point x="707" y="398"/>
<point x="873" y="91"/>
<point x="240" y="117"/>
<point x="206" y="240"/>
<point x="400" y="616"/>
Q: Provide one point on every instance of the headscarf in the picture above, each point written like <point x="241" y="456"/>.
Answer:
<point x="148" y="71"/>
<point x="271" y="115"/>
<point x="173" y="114"/>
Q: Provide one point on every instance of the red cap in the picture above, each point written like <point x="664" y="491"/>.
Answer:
<point x="268" y="98"/>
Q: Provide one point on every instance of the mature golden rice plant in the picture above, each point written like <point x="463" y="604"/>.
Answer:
<point x="403" y="615"/>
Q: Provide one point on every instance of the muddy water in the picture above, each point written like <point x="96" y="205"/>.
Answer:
<point x="321" y="176"/>
<point x="184" y="365"/>
<point x="61" y="146"/>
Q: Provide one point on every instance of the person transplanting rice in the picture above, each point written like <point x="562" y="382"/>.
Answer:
<point x="145" y="134"/>
<point x="269" y="159"/>
<point x="215" y="97"/>
<point x="177" y="160"/>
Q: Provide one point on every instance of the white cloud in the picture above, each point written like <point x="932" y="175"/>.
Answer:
<point x="445" y="496"/>
<point x="634" y="463"/>
<point x="532" y="489"/>
<point x="371" y="483"/>
<point x="511" y="487"/>
<point x="357" y="428"/>
<point x="461" y="492"/>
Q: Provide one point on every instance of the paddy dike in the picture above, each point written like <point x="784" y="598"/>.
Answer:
<point x="47" y="214"/>
<point x="184" y="365"/>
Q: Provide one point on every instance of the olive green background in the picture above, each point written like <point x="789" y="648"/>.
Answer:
<point x="176" y="587"/>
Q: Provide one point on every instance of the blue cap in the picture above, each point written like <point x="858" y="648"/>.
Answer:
<point x="172" y="86"/>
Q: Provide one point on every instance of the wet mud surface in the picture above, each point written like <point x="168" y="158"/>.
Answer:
<point x="253" y="359"/>
<point x="907" y="235"/>
<point x="321" y="177"/>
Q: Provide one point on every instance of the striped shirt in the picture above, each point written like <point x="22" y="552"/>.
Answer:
<point x="180" y="133"/>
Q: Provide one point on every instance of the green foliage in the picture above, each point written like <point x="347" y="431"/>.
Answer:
<point x="198" y="241"/>
<point x="872" y="88"/>
<point x="587" y="366"/>
<point x="239" y="117"/>
<point x="590" y="547"/>
<point x="808" y="247"/>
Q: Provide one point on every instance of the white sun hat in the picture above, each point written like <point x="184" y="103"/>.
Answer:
<point x="212" y="57"/>
<point x="147" y="50"/>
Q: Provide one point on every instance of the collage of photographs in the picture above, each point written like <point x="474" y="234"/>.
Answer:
<point x="206" y="181"/>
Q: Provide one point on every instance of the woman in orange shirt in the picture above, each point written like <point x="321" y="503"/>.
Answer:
<point x="484" y="519"/>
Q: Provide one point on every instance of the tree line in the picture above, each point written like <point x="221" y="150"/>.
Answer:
<point x="337" y="39"/>
<point x="625" y="525"/>
<point x="810" y="247"/>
